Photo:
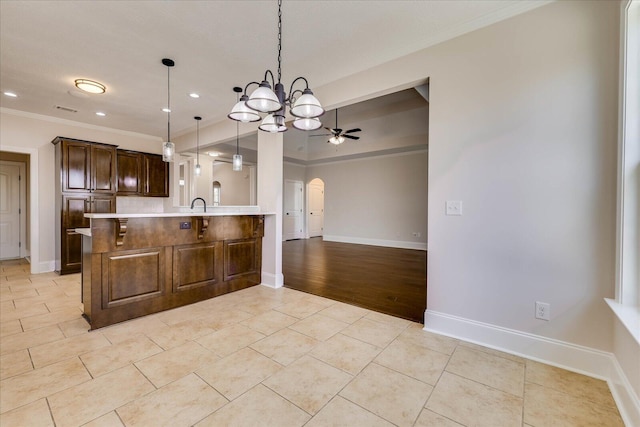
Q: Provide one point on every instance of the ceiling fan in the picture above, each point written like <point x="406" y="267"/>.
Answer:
<point x="337" y="135"/>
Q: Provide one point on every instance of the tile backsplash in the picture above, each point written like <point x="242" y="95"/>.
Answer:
<point x="139" y="205"/>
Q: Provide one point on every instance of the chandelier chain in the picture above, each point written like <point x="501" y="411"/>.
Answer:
<point x="279" y="39"/>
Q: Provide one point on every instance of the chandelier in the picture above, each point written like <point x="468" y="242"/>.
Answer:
<point x="306" y="108"/>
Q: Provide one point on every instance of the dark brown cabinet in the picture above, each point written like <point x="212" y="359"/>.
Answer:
<point x="129" y="180"/>
<point x="155" y="263"/>
<point x="87" y="167"/>
<point x="156" y="176"/>
<point x="142" y="174"/>
<point x="86" y="184"/>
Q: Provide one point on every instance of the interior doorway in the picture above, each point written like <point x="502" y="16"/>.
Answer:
<point x="13" y="209"/>
<point x="292" y="227"/>
<point x="315" y="218"/>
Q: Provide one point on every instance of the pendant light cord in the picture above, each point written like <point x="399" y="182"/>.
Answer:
<point x="197" y="141"/>
<point x="168" y="106"/>
<point x="237" y="130"/>
<point x="279" y="40"/>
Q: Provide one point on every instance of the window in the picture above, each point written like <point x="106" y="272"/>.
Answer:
<point x="627" y="302"/>
<point x="216" y="193"/>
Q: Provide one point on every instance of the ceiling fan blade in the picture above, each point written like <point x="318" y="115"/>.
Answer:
<point x="350" y="137"/>
<point x="353" y="130"/>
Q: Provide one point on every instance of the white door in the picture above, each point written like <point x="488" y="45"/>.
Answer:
<point x="12" y="209"/>
<point x="292" y="218"/>
<point x="316" y="208"/>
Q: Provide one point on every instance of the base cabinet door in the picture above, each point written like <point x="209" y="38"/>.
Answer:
<point x="71" y="251"/>
<point x="240" y="258"/>
<point x="196" y="265"/>
<point x="132" y="276"/>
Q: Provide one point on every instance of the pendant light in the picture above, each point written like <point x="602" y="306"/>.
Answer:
<point x="237" y="158"/>
<point x="168" y="147"/>
<point x="198" y="170"/>
<point x="306" y="108"/>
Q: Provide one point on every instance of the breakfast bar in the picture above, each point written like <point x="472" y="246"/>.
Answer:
<point x="138" y="264"/>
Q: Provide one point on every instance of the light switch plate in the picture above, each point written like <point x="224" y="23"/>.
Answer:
<point x="454" y="207"/>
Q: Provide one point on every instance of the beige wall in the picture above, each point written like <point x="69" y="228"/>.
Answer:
<point x="377" y="200"/>
<point x="523" y="125"/>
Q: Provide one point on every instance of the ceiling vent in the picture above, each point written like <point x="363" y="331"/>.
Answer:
<point x="67" y="109"/>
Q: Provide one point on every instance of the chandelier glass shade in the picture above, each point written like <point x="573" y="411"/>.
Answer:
<point x="307" y="124"/>
<point x="242" y="113"/>
<point x="168" y="147"/>
<point x="270" y="98"/>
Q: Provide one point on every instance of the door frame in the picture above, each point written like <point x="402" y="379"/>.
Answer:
<point x="34" y="211"/>
<point x="22" y="203"/>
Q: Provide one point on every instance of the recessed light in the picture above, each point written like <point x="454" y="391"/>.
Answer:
<point x="100" y="113"/>
<point x="194" y="95"/>
<point x="213" y="154"/>
<point x="11" y="94"/>
<point x="166" y="110"/>
<point x="90" y="86"/>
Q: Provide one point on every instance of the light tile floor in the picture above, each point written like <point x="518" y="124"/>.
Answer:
<point x="263" y="357"/>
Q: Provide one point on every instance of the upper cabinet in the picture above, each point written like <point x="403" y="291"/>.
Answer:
<point x="87" y="167"/>
<point x="156" y="176"/>
<point x="129" y="179"/>
<point x="142" y="174"/>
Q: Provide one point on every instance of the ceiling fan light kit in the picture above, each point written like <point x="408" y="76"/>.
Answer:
<point x="274" y="102"/>
<point x="337" y="136"/>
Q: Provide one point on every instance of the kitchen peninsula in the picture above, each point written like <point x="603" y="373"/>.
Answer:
<point x="138" y="264"/>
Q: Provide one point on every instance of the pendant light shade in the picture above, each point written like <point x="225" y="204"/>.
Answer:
<point x="242" y="113"/>
<point x="271" y="124"/>
<point x="197" y="170"/>
<point x="264" y="99"/>
<point x="168" y="150"/>
<point x="168" y="147"/>
<point x="237" y="162"/>
<point x="307" y="124"/>
<point x="307" y="106"/>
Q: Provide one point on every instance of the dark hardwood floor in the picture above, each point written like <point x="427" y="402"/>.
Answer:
<point x="388" y="280"/>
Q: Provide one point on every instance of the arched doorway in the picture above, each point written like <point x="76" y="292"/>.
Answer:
<point x="315" y="208"/>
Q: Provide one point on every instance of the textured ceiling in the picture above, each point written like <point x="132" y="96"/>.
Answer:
<point x="45" y="45"/>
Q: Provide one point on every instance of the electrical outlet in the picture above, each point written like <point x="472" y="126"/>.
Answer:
<point x="453" y="207"/>
<point x="416" y="234"/>
<point x="543" y="310"/>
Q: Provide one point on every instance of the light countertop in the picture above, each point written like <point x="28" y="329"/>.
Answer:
<point x="171" y="214"/>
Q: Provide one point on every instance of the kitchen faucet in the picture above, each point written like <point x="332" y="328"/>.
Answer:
<point x="193" y="202"/>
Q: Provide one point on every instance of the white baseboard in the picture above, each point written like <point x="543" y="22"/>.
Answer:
<point x="43" y="267"/>
<point x="572" y="357"/>
<point x="376" y="242"/>
<point x="272" y="280"/>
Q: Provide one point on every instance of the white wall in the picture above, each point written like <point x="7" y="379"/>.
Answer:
<point x="378" y="200"/>
<point x="33" y="132"/>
